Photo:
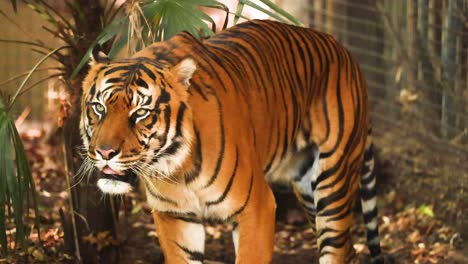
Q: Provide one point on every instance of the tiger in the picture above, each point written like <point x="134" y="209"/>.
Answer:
<point x="208" y="125"/>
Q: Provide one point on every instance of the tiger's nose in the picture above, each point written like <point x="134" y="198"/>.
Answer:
<point x="106" y="152"/>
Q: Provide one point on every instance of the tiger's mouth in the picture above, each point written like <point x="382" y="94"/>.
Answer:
<point x="114" y="182"/>
<point x="128" y="177"/>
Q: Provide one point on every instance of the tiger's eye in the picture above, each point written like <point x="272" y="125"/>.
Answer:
<point x="141" y="112"/>
<point x="100" y="107"/>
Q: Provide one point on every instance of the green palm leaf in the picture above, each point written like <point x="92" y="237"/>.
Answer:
<point x="5" y="169"/>
<point x="280" y="11"/>
<point x="15" y="176"/>
<point x="13" y="3"/>
<point x="165" y="18"/>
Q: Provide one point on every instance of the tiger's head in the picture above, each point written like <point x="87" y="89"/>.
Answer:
<point x="135" y="119"/>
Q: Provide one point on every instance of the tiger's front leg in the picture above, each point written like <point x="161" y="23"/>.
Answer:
<point x="182" y="241"/>
<point x="256" y="225"/>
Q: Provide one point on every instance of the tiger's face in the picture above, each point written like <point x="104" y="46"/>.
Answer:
<point x="135" y="120"/>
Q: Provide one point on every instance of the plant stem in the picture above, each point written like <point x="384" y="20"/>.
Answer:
<point x="70" y="202"/>
<point x="29" y="76"/>
<point x="39" y="82"/>
<point x="26" y="73"/>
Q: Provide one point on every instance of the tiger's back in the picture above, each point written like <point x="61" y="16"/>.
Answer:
<point x="266" y="101"/>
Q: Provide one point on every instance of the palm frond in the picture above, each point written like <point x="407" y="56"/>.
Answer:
<point x="162" y="19"/>
<point x="13" y="4"/>
<point x="281" y="12"/>
<point x="239" y="9"/>
<point x="16" y="181"/>
<point x="18" y="91"/>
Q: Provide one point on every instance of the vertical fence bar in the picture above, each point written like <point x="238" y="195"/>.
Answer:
<point x="411" y="32"/>
<point x="329" y="17"/>
<point x="423" y="14"/>
<point x="389" y="56"/>
<point x="317" y="18"/>
<point x="451" y="25"/>
<point x="426" y="74"/>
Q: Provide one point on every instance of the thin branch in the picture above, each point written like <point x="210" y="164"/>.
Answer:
<point x="61" y="34"/>
<point x="223" y="7"/>
<point x="62" y="18"/>
<point x="24" y="42"/>
<point x="56" y="57"/>
<point x="29" y="35"/>
<point x="70" y="201"/>
<point x="108" y="20"/>
<point x="29" y="75"/>
<point x="26" y="73"/>
<point x="39" y="82"/>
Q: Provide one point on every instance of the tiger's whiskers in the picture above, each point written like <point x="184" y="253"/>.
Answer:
<point x="85" y="170"/>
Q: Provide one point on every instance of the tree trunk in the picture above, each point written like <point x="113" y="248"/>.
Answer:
<point x="93" y="214"/>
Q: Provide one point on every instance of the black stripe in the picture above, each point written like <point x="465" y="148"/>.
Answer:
<point x="125" y="67"/>
<point x="285" y="80"/>
<point x="335" y="241"/>
<point x="340" y="118"/>
<point x="161" y="198"/>
<point x="371" y="234"/>
<point x="307" y="198"/>
<point x="349" y="144"/>
<point x="368" y="193"/>
<point x="147" y="71"/>
<point x="325" y="108"/>
<point x="339" y="194"/>
<point x="375" y="249"/>
<point x="188" y="219"/>
<point x="176" y="214"/>
<point x="367" y="180"/>
<point x="192" y="254"/>
<point x="348" y="172"/>
<point x="180" y="117"/>
<point x="364" y="171"/>
<point x="368" y="155"/>
<point x="92" y="90"/>
<point x="226" y="46"/>
<point x="272" y="159"/>
<point x="194" y="85"/>
<point x="370" y="215"/>
<point x="163" y="98"/>
<point x="228" y="187"/>
<point x="167" y="123"/>
<point x="114" y="80"/>
<point x="171" y="149"/>
<point x="348" y="205"/>
<point x="238" y="211"/>
<point x="190" y="177"/>
<point x="141" y="83"/>
<point x="222" y="142"/>
<point x="307" y="163"/>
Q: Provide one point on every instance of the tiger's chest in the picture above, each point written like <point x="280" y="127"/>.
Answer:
<point x="184" y="202"/>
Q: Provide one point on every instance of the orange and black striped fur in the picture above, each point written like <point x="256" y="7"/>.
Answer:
<point x="205" y="125"/>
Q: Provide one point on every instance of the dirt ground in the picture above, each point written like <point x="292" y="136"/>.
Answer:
<point x="422" y="218"/>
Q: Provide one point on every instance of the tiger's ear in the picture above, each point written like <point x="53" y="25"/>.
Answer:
<point x="98" y="56"/>
<point x="184" y="71"/>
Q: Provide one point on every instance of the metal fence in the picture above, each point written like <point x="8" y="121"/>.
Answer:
<point x="414" y="54"/>
<point x="415" y="58"/>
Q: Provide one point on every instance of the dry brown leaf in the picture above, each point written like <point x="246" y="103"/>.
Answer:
<point x="414" y="237"/>
<point x="101" y="240"/>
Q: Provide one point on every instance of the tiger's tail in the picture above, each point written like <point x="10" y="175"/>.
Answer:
<point x="369" y="201"/>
